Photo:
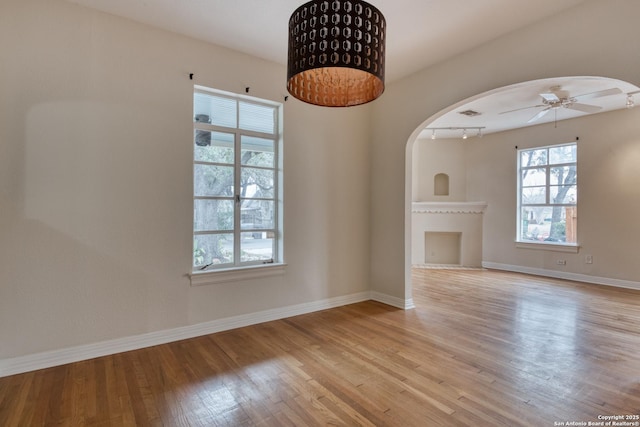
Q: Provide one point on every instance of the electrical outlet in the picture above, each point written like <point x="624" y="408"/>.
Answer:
<point x="588" y="259"/>
<point x="561" y="262"/>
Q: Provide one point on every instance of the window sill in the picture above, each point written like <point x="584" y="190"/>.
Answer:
<point x="212" y="277"/>
<point x="545" y="246"/>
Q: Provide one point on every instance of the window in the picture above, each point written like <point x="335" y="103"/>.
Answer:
<point x="547" y="194"/>
<point x="236" y="177"/>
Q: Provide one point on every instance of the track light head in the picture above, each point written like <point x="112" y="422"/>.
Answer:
<point x="630" y="101"/>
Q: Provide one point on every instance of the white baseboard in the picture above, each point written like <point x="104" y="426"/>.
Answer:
<point x="48" y="359"/>
<point x="405" y="304"/>
<point x="628" y="284"/>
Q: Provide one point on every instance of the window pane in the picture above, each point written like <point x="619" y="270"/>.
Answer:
<point x="257" y="151"/>
<point x="548" y="224"/>
<point x="534" y="195"/>
<point x="257" y="246"/>
<point x="215" y="147"/>
<point x="563" y="175"/>
<point x="257" y="183"/>
<point x="212" y="249"/>
<point x="527" y="228"/>
<point x="213" y="109"/>
<point x="562" y="195"/>
<point x="212" y="215"/>
<point x="259" y="118"/>
<point x="562" y="154"/>
<point x="536" y="223"/>
<point x="213" y="180"/>
<point x="257" y="214"/>
<point x="533" y="158"/>
<point x="533" y="177"/>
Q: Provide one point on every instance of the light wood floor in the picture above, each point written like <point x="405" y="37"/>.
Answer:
<point x="482" y="348"/>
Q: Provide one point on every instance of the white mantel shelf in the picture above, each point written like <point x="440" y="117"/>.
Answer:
<point x="448" y="207"/>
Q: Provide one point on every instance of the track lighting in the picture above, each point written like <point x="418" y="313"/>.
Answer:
<point x="464" y="130"/>
<point x="630" y="101"/>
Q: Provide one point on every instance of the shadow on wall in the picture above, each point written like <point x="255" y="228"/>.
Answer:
<point x="57" y="292"/>
<point x="76" y="265"/>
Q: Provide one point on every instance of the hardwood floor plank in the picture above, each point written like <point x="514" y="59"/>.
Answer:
<point x="38" y="397"/>
<point x="19" y="402"/>
<point x="480" y="348"/>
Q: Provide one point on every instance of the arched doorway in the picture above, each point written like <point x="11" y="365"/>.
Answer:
<point x="542" y="103"/>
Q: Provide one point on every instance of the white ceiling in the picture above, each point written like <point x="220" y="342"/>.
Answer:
<point x="420" y="33"/>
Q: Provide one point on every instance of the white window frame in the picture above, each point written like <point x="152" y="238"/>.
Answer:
<point x="239" y="270"/>
<point x="533" y="244"/>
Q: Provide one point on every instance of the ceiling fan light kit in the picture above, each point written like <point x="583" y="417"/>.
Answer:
<point x="557" y="98"/>
<point x="336" y="53"/>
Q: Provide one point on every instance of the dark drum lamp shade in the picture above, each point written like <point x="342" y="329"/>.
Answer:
<point x="336" y="53"/>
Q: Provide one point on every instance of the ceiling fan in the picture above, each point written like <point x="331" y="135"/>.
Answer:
<point x="557" y="98"/>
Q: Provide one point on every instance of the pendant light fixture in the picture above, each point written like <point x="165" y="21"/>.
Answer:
<point x="336" y="53"/>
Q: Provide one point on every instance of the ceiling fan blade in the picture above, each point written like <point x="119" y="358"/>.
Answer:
<point x="585" y="108"/>
<point x="539" y="115"/>
<point x="523" y="108"/>
<point x="598" y="94"/>
<point x="550" y="97"/>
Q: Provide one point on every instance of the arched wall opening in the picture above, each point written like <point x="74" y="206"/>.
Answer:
<point x="409" y="179"/>
<point x="617" y="126"/>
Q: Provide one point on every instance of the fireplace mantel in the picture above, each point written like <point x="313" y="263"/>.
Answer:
<point x="449" y="207"/>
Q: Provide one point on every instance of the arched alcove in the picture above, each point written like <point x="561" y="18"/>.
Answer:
<point x="441" y="184"/>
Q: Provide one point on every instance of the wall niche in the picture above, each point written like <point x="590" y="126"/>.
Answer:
<point x="441" y="184"/>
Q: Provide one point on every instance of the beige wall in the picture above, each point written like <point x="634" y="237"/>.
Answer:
<point x="591" y="39"/>
<point x="431" y="157"/>
<point x="95" y="182"/>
